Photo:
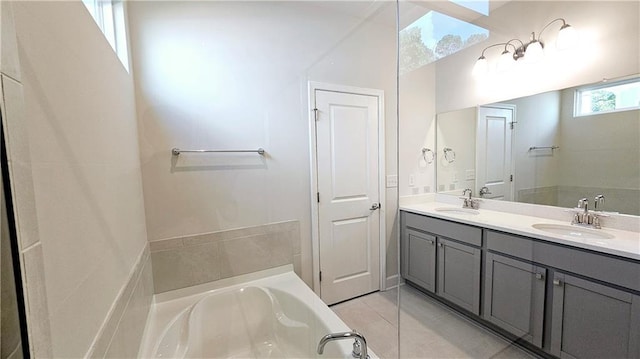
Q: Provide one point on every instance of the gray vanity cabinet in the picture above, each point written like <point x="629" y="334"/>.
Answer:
<point x="459" y="274"/>
<point x="419" y="253"/>
<point x="514" y="296"/>
<point x="591" y="320"/>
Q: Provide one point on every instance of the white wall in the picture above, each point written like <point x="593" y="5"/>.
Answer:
<point x="599" y="155"/>
<point x="417" y="131"/>
<point x="457" y="130"/>
<point x="81" y="124"/>
<point x="538" y="124"/>
<point x="606" y="29"/>
<point x="233" y="75"/>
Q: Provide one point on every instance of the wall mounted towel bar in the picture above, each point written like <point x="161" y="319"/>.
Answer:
<point x="177" y="151"/>
<point x="544" y="148"/>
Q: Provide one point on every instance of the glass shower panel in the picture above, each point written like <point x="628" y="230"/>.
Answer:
<point x="11" y="345"/>
<point x="313" y="84"/>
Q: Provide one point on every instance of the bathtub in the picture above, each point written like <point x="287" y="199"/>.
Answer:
<point x="272" y="316"/>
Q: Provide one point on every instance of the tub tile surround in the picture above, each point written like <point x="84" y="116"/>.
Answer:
<point x="517" y="218"/>
<point x="122" y="330"/>
<point x="17" y="141"/>
<point x="197" y="259"/>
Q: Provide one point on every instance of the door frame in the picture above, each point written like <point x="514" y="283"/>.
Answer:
<point x="514" y="121"/>
<point x="315" y="232"/>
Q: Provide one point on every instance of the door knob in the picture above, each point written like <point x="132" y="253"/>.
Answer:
<point x="375" y="206"/>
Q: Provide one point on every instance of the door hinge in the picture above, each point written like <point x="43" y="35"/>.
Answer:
<point x="318" y="195"/>
<point x="511" y="124"/>
<point x="320" y="276"/>
<point x="511" y="178"/>
<point x="315" y="112"/>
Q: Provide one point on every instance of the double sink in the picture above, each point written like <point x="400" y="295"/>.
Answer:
<point x="570" y="231"/>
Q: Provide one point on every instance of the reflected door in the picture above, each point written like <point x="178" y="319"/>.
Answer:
<point x="348" y="208"/>
<point x="493" y="152"/>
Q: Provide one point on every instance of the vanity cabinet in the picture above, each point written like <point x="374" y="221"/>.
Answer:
<point x="459" y="274"/>
<point x="514" y="296"/>
<point x="419" y="264"/>
<point x="565" y="301"/>
<point x="443" y="258"/>
<point x="591" y="320"/>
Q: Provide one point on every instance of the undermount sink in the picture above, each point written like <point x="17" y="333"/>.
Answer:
<point x="572" y="231"/>
<point x="457" y="210"/>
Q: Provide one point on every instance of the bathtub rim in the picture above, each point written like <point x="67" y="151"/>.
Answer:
<point x="166" y="306"/>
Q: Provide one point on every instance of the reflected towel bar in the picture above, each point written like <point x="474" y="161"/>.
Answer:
<point x="544" y="148"/>
<point x="177" y="151"/>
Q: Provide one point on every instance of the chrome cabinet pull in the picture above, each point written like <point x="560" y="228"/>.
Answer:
<point x="557" y="282"/>
<point x="539" y="276"/>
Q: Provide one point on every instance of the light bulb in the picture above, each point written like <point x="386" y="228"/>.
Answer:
<point x="505" y="62"/>
<point x="534" y="52"/>
<point x="566" y="37"/>
<point x="481" y="67"/>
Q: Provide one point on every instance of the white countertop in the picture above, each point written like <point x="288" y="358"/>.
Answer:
<point x="624" y="243"/>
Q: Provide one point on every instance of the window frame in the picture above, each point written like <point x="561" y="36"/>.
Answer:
<point x="577" y="103"/>
<point x="110" y="17"/>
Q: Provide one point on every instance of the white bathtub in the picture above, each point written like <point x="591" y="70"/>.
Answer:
<point x="276" y="316"/>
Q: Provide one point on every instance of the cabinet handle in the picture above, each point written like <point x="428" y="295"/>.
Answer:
<point x="432" y="242"/>
<point x="439" y="244"/>
<point x="557" y="282"/>
<point x="539" y="276"/>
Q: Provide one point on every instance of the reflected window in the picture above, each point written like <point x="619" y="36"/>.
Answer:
<point x="435" y="36"/>
<point x="611" y="97"/>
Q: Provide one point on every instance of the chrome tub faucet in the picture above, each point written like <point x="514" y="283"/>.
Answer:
<point x="359" y="345"/>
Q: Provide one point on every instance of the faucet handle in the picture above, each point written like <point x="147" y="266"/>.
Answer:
<point x="598" y="200"/>
<point x="583" y="202"/>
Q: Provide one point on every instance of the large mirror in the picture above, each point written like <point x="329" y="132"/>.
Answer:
<point x="552" y="148"/>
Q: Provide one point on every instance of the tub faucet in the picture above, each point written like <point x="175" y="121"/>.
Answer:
<point x="359" y="346"/>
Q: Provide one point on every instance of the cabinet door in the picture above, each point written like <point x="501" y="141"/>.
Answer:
<point x="593" y="321"/>
<point x="419" y="254"/>
<point x="459" y="274"/>
<point x="514" y="297"/>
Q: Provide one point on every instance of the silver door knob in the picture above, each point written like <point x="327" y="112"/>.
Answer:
<point x="374" y="206"/>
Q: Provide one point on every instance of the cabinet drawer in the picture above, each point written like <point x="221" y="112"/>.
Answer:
<point x="460" y="232"/>
<point x="621" y="272"/>
<point x="509" y="244"/>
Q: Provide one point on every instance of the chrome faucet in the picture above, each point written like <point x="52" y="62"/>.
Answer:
<point x="359" y="345"/>
<point x="599" y="200"/>
<point x="469" y="202"/>
<point x="484" y="190"/>
<point x="584" y="217"/>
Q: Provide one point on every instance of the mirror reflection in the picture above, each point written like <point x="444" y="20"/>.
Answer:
<point x="552" y="148"/>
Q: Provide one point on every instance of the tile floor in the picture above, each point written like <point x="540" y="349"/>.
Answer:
<point x="428" y="328"/>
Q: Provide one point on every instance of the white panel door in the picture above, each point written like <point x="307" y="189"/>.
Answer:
<point x="348" y="218"/>
<point x="493" y="151"/>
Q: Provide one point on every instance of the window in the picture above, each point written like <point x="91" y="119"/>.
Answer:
<point x="610" y="97"/>
<point x="435" y="36"/>
<point x="109" y="15"/>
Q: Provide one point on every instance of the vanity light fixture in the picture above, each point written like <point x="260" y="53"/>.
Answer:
<point x="533" y="50"/>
